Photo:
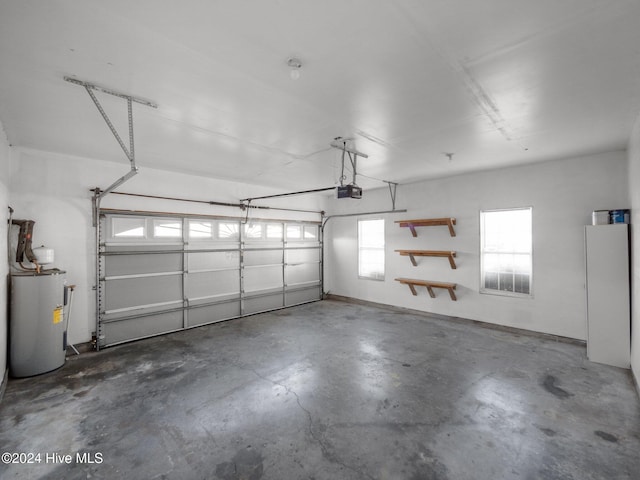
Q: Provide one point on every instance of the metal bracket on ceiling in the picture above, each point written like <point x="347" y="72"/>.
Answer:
<point x="341" y="144"/>
<point x="90" y="88"/>
<point x="129" y="152"/>
<point x="393" y="187"/>
<point x="98" y="88"/>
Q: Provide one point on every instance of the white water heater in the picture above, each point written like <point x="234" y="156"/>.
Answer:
<point x="37" y="328"/>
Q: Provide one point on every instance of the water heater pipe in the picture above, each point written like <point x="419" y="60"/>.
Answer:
<point x="24" y="244"/>
<point x="71" y="288"/>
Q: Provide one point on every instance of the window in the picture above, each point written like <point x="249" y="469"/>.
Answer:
<point x="128" y="227"/>
<point x="506" y="251"/>
<point x="228" y="231"/>
<point x="310" y="232"/>
<point x="144" y="229"/>
<point x="294" y="232"/>
<point x="253" y="230"/>
<point x="200" y="229"/>
<point x="371" y="249"/>
<point x="170" y="228"/>
<point x="274" y="231"/>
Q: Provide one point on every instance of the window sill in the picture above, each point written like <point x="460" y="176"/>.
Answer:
<point x="505" y="293"/>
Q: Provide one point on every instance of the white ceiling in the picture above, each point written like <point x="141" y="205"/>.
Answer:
<point x="496" y="83"/>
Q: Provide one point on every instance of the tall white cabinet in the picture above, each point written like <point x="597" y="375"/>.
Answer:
<point x="608" y="296"/>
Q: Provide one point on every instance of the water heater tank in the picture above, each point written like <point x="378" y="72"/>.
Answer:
<point x="37" y="336"/>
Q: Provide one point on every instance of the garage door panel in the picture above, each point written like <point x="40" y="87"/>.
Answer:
<point x="263" y="303"/>
<point x="208" y="284"/>
<point x="302" y="296"/>
<point x="302" y="255"/>
<point x="125" y="330"/>
<point x="262" y="257"/>
<point x="262" y="278"/>
<point x="131" y="292"/>
<point x="139" y="264"/>
<point x="303" y="273"/>
<point x="213" y="260"/>
<point x="142" y="311"/>
<point x="213" y="313"/>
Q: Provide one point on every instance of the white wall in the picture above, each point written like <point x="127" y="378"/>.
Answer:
<point x="634" y="194"/>
<point x="54" y="191"/>
<point x="562" y="193"/>
<point x="5" y="153"/>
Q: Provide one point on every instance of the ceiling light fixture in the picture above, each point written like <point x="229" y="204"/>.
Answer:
<point x="295" y="65"/>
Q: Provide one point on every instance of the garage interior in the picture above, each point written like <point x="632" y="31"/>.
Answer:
<point x="284" y="239"/>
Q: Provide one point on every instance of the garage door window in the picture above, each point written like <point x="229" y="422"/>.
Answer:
<point x="200" y="230"/>
<point x="274" y="231"/>
<point x="228" y="230"/>
<point x="167" y="228"/>
<point x="144" y="229"/>
<point x="310" y="232"/>
<point x="294" y="232"/>
<point x="128" y="227"/>
<point x="253" y="231"/>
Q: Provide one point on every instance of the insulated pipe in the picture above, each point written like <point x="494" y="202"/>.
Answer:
<point x="24" y="244"/>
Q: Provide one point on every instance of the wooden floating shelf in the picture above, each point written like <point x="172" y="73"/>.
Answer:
<point x="428" y="253"/>
<point x="428" y="222"/>
<point x="411" y="282"/>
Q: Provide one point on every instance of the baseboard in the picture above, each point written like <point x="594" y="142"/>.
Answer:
<point x="3" y="386"/>
<point x="635" y="381"/>
<point x="493" y="326"/>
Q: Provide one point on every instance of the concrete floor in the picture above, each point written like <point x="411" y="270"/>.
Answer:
<point x="328" y="390"/>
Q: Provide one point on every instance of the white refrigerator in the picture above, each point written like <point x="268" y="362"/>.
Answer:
<point x="608" y="294"/>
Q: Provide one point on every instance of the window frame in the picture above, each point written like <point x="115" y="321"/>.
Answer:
<point x="234" y="236"/>
<point x="270" y="227"/>
<point x="292" y="227"/>
<point x="493" y="291"/>
<point x="383" y="249"/>
<point x="114" y="237"/>
<point x="156" y="223"/>
<point x="148" y="224"/>
<point x="201" y="238"/>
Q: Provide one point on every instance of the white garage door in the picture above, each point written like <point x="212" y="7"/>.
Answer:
<point x="161" y="273"/>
